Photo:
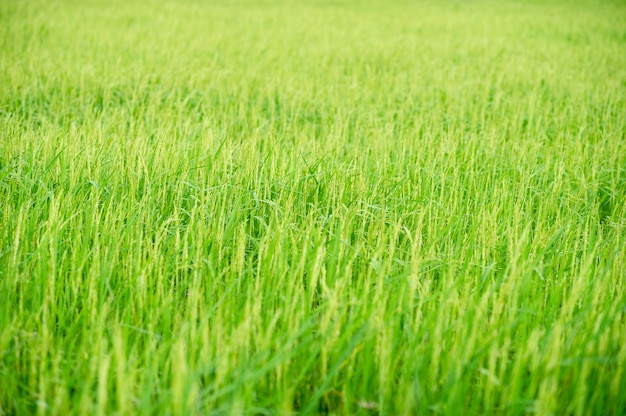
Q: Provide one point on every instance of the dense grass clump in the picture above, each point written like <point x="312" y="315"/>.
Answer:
<point x="280" y="207"/>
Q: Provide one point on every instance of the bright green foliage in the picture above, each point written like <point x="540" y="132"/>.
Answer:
<point x="343" y="207"/>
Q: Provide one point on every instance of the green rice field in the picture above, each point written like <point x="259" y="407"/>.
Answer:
<point x="335" y="207"/>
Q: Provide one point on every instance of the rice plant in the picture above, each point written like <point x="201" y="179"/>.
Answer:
<point x="315" y="207"/>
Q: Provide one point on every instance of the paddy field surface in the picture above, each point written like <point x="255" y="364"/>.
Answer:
<point x="312" y="207"/>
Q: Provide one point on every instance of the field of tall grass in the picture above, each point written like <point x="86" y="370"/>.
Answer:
<point x="312" y="207"/>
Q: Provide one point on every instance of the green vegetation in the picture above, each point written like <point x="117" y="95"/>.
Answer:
<point x="275" y="207"/>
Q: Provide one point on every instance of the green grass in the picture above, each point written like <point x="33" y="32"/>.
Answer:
<point x="312" y="207"/>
